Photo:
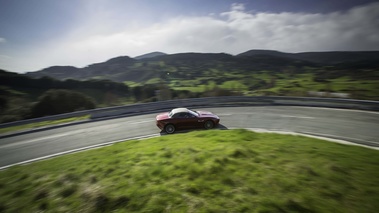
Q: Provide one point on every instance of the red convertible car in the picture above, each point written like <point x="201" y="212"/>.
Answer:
<point x="183" y="118"/>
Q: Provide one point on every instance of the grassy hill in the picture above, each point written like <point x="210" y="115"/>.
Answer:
<point x="201" y="171"/>
<point x="256" y="72"/>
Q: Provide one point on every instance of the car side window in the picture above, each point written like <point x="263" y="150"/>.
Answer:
<point x="179" y="115"/>
<point x="189" y="115"/>
<point x="183" y="115"/>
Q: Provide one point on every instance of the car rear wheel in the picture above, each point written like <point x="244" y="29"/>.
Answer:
<point x="169" y="128"/>
<point x="208" y="125"/>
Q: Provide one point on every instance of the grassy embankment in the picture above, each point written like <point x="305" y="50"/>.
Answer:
<point x="201" y="171"/>
<point x="42" y="124"/>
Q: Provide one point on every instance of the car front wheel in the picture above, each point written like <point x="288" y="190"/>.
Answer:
<point x="169" y="129"/>
<point x="208" y="125"/>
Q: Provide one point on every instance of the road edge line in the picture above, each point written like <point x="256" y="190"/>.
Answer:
<point x="331" y="138"/>
<point x="258" y="130"/>
<point x="79" y="150"/>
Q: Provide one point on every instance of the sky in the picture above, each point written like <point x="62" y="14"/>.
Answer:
<point x="35" y="34"/>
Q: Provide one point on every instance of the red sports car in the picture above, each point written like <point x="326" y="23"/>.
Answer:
<point x="183" y="118"/>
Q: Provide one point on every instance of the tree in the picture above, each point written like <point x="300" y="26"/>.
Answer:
<point x="55" y="102"/>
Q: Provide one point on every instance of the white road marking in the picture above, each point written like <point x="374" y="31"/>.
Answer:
<point x="140" y="122"/>
<point x="156" y="135"/>
<point x="344" y="138"/>
<point x="294" y="116"/>
<point x="39" y="139"/>
<point x="50" y="137"/>
<point x="267" y="114"/>
<point x="80" y="149"/>
<point x="324" y="137"/>
<point x="313" y="135"/>
<point x="348" y="110"/>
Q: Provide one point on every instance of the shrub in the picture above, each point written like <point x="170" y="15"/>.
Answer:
<point x="55" y="102"/>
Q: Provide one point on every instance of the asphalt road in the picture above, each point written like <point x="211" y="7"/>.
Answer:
<point x="350" y="125"/>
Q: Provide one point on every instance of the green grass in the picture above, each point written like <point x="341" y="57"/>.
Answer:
<point x="234" y="85"/>
<point x="201" y="171"/>
<point x="370" y="87"/>
<point x="301" y="84"/>
<point x="42" y="124"/>
<point x="200" y="88"/>
<point x="153" y="81"/>
<point x="265" y="82"/>
<point x="132" y="84"/>
<point x="280" y="84"/>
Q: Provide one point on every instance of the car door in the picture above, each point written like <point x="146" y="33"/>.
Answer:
<point x="191" y="120"/>
<point x="181" y="120"/>
<point x="185" y="120"/>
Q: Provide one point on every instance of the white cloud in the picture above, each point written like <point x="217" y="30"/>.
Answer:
<point x="232" y="32"/>
<point x="2" y="40"/>
<point x="238" y="7"/>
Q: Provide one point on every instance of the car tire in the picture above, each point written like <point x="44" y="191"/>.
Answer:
<point x="169" y="128"/>
<point x="209" y="124"/>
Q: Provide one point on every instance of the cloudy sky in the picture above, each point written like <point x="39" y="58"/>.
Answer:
<point x="36" y="34"/>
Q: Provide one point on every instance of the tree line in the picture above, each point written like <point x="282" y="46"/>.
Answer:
<point x="22" y="97"/>
<point x="15" y="80"/>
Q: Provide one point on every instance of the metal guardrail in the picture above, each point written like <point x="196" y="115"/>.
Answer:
<point x="143" y="108"/>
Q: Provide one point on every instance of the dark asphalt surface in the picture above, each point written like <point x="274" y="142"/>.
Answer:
<point x="350" y="125"/>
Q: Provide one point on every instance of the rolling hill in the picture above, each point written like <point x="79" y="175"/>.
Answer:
<point x="123" y="80"/>
<point x="150" y="55"/>
<point x="255" y="72"/>
<point x="186" y="65"/>
<point x="325" y="58"/>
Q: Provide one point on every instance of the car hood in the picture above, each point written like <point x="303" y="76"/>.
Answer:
<point x="162" y="116"/>
<point x="205" y="114"/>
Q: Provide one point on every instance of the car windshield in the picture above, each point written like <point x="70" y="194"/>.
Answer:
<point x="194" y="113"/>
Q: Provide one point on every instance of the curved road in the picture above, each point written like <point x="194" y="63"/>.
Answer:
<point x="350" y="125"/>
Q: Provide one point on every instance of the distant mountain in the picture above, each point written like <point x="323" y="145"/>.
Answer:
<point x="189" y="65"/>
<point x="58" y="72"/>
<point x="107" y="68"/>
<point x="121" y="60"/>
<point x="150" y="55"/>
<point x="265" y="52"/>
<point x="340" y="57"/>
<point x="193" y="59"/>
<point x="110" y="69"/>
<point x="336" y="57"/>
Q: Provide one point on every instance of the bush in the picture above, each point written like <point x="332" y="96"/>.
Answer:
<point x="16" y="108"/>
<point x="55" y="102"/>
